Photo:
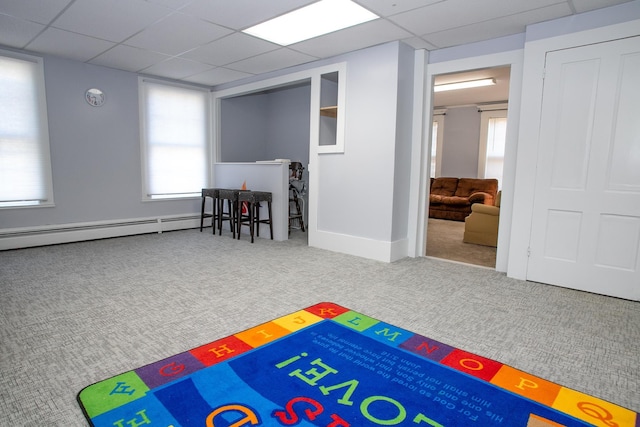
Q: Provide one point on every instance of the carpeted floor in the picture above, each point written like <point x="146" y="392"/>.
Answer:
<point x="444" y="240"/>
<point x="74" y="314"/>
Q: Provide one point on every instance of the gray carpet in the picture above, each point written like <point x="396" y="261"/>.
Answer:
<point x="78" y="313"/>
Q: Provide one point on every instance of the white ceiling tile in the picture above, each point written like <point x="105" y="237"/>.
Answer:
<point x="41" y="11"/>
<point x="271" y="61"/>
<point x="353" y="38"/>
<point x="129" y="58"/>
<point x="113" y="20"/>
<point x="494" y="28"/>
<point x="217" y="76"/>
<point x="68" y="45"/>
<point x="176" y="68"/>
<point x="457" y="13"/>
<point x="230" y="49"/>
<point x="190" y="38"/>
<point x="171" y="4"/>
<point x="176" y="34"/>
<point x="418" y="43"/>
<point x="241" y="14"/>
<point x="16" y="32"/>
<point x="587" y="5"/>
<point x="393" y="7"/>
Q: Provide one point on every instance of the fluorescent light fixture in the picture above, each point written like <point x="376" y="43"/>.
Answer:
<point x="319" y="18"/>
<point x="464" y="85"/>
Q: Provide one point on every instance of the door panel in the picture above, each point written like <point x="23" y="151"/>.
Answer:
<point x="572" y="127"/>
<point x="586" y="214"/>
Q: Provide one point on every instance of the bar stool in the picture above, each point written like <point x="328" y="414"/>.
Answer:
<point x="231" y="197"/>
<point x="253" y="199"/>
<point x="213" y="193"/>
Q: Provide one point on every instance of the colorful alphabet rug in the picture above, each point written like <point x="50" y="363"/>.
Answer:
<point x="329" y="366"/>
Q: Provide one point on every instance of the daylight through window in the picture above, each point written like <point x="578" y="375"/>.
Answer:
<point x="25" y="170"/>
<point x="175" y="140"/>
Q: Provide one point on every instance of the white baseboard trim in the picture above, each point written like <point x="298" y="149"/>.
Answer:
<point x="399" y="249"/>
<point x="366" y="248"/>
<point x="24" y="237"/>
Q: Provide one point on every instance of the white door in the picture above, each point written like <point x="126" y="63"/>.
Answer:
<point x="586" y="212"/>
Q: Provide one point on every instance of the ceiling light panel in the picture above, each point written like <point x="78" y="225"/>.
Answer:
<point x="323" y="17"/>
<point x="464" y="85"/>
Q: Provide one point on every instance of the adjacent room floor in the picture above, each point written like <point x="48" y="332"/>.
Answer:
<point x="444" y="240"/>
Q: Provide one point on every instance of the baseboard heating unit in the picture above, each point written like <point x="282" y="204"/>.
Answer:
<point x="24" y="237"/>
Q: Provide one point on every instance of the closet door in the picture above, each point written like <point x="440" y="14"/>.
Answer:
<point x="586" y="212"/>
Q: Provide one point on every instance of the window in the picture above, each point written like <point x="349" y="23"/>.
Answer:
<point x="330" y="89"/>
<point x="437" y="132"/>
<point x="175" y="140"/>
<point x="493" y="133"/>
<point x="25" y="165"/>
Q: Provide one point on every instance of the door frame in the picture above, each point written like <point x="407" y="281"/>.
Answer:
<point x="422" y="145"/>
<point x="531" y="115"/>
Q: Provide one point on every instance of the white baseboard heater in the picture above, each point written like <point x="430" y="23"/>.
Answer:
<point x="25" y="237"/>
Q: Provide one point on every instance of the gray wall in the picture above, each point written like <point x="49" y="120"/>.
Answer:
<point x="460" y="142"/>
<point x="356" y="191"/>
<point x="95" y="152"/>
<point x="243" y="128"/>
<point x="266" y="126"/>
<point x="288" y="124"/>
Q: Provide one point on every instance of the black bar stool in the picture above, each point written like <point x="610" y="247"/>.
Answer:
<point x="252" y="218"/>
<point x="213" y="193"/>
<point x="231" y="197"/>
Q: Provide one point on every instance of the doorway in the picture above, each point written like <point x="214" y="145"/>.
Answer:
<point x="468" y="136"/>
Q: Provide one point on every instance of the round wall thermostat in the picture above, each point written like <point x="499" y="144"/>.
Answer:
<point x="95" y="97"/>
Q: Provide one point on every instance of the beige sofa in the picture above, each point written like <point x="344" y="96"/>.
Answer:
<point x="481" y="226"/>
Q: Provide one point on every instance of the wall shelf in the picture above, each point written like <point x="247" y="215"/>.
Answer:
<point x="329" y="111"/>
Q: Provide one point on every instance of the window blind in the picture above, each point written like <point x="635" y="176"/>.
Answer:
<point x="175" y="140"/>
<point x="25" y="170"/>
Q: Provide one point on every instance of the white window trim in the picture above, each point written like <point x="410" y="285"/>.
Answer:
<point x="143" y="139"/>
<point x="487" y="112"/>
<point x="44" y="131"/>
<point x="316" y="83"/>
<point x="438" y="116"/>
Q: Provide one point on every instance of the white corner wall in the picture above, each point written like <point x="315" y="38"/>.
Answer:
<point x="356" y="189"/>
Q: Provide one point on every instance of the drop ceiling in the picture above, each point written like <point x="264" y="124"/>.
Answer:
<point x="497" y="93"/>
<point x="200" y="41"/>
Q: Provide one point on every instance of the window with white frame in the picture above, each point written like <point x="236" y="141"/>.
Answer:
<point x="175" y="140"/>
<point x="437" y="132"/>
<point x="25" y="163"/>
<point x="493" y="133"/>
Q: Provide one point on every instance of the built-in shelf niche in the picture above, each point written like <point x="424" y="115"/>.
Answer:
<point x="329" y="111"/>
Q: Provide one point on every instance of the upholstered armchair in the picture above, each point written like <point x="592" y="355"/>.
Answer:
<point x="481" y="226"/>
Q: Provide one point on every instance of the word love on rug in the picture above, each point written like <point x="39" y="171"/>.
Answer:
<point x="329" y="366"/>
